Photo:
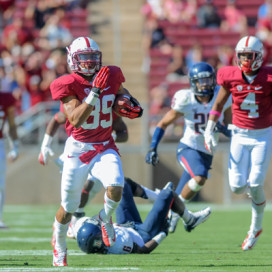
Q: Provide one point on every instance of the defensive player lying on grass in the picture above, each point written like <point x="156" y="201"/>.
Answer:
<point x="133" y="235"/>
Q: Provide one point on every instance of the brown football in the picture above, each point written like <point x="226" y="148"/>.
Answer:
<point x="119" y="102"/>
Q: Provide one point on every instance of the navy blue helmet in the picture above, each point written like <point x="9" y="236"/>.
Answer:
<point x="202" y="79"/>
<point x="89" y="237"/>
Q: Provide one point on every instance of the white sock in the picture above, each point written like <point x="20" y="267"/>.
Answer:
<point x="257" y="216"/>
<point x="152" y="195"/>
<point x="187" y="215"/>
<point x="109" y="208"/>
<point x="60" y="232"/>
<point x="183" y="199"/>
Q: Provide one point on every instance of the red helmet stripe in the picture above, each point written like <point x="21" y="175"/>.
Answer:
<point x="87" y="42"/>
<point x="247" y="41"/>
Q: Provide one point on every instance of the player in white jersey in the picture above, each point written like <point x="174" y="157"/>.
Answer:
<point x="133" y="235"/>
<point x="194" y="105"/>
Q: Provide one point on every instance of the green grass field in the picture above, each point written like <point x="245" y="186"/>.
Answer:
<point x="213" y="246"/>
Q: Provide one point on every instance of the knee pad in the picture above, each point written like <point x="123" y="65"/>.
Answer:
<point x="194" y="186"/>
<point x="257" y="194"/>
<point x="238" y="190"/>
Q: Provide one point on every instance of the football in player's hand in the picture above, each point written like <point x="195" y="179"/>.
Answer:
<point x="127" y="106"/>
<point x="121" y="102"/>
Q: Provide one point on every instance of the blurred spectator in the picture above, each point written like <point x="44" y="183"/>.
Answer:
<point x="194" y="55"/>
<point x="264" y="8"/>
<point x="154" y="37"/>
<point x="54" y="34"/>
<point x="159" y="100"/>
<point x="235" y="20"/>
<point x="207" y="15"/>
<point x="153" y="9"/>
<point x="16" y="34"/>
<point x="176" y="70"/>
<point x="264" y="27"/>
<point x="39" y="11"/>
<point x="225" y="55"/>
<point x="179" y="10"/>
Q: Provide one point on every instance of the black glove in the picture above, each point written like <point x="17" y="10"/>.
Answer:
<point x="152" y="157"/>
<point x="222" y="129"/>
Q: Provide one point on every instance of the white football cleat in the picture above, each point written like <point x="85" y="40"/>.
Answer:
<point x="59" y="258"/>
<point x="173" y="222"/>
<point x="251" y="239"/>
<point x="197" y="218"/>
<point x="108" y="232"/>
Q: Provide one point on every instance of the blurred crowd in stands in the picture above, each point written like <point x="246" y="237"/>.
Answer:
<point x="178" y="33"/>
<point x="32" y="48"/>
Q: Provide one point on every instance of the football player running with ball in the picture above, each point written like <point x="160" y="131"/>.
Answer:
<point x="250" y="85"/>
<point x="88" y="95"/>
<point x="194" y="105"/>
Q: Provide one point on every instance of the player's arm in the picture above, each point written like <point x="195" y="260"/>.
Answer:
<point x="13" y="154"/>
<point x="120" y="129"/>
<point x="170" y="117"/>
<point x="150" y="245"/>
<point x="223" y="128"/>
<point x="51" y="129"/>
<point x="76" y="112"/>
<point x="215" y="113"/>
<point x="219" y="103"/>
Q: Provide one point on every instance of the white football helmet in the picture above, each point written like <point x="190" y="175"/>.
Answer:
<point x="254" y="46"/>
<point x="84" y="56"/>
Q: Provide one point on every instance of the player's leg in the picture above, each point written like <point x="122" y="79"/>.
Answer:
<point x="190" y="219"/>
<point x="108" y="169"/>
<point x="260" y="160"/>
<point x="156" y="220"/>
<point x="139" y="190"/>
<point x="127" y="210"/>
<point x="185" y="177"/>
<point x="2" y="182"/>
<point x="196" y="164"/>
<point x="73" y="177"/>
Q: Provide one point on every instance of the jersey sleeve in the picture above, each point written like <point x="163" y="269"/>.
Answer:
<point x="180" y="100"/>
<point x="224" y="76"/>
<point x="62" y="87"/>
<point x="117" y="74"/>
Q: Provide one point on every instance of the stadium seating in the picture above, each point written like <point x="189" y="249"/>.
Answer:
<point x="188" y="34"/>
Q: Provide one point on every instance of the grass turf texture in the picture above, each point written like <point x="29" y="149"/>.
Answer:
<point x="212" y="246"/>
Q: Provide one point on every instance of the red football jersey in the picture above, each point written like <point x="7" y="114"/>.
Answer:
<point x="98" y="127"/>
<point x="6" y="100"/>
<point x="252" y="103"/>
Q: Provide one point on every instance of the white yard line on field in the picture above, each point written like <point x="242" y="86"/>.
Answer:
<point x="35" y="252"/>
<point x="69" y="268"/>
<point x="24" y="240"/>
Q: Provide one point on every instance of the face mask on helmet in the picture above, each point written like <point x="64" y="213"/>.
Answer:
<point x="202" y="79"/>
<point x="249" y="54"/>
<point x="89" y="237"/>
<point x="84" y="56"/>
